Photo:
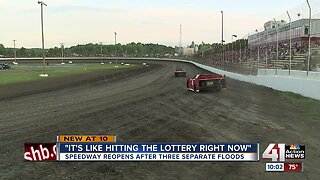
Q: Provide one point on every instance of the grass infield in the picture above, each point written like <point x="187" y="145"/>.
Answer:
<point x="30" y="72"/>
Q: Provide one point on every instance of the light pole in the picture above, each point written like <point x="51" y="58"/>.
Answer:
<point x="266" y="60"/>
<point x="62" y="55"/>
<point x="43" y="53"/>
<point x="115" y="43"/>
<point x="222" y="38"/>
<point x="100" y="48"/>
<point x="101" y="52"/>
<point x="258" y="49"/>
<point x="240" y="49"/>
<point x="290" y="43"/>
<point x="240" y="56"/>
<point x="180" y="50"/>
<point x="232" y="45"/>
<point x="15" y="52"/>
<point x="277" y="46"/>
<point x="309" y="37"/>
<point x="248" y="52"/>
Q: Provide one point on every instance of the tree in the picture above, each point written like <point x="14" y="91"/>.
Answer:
<point x="2" y="50"/>
<point x="22" y="52"/>
<point x="92" y="50"/>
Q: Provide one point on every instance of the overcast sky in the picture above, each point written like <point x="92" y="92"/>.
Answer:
<point x="156" y="21"/>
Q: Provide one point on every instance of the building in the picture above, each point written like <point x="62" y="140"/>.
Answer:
<point x="299" y="30"/>
<point x="188" y="51"/>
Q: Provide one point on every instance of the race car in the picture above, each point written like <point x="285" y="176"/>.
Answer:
<point x="206" y="81"/>
<point x="4" y="66"/>
<point x="180" y="73"/>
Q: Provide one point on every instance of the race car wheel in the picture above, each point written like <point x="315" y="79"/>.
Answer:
<point x="218" y="87"/>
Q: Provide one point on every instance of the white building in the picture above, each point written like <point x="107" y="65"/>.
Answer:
<point x="188" y="51"/>
<point x="299" y="30"/>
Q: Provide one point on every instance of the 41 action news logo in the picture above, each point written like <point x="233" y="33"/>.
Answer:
<point x="281" y="152"/>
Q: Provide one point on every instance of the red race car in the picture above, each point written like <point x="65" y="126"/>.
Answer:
<point x="206" y="81"/>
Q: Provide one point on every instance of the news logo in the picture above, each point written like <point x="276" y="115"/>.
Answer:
<point x="295" y="147"/>
<point x="280" y="152"/>
<point x="40" y="152"/>
<point x="295" y="151"/>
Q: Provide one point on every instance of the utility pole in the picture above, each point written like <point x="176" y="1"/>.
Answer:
<point x="266" y="60"/>
<point x="115" y="43"/>
<point x="290" y="43"/>
<point x="15" y="52"/>
<point x="180" y="41"/>
<point x="62" y="55"/>
<point x="100" y="48"/>
<point x="277" y="45"/>
<point x="222" y="41"/>
<point x="249" y="53"/>
<point x="240" y="50"/>
<point x="309" y="37"/>
<point x="258" y="49"/>
<point x="232" y="45"/>
<point x="101" y="53"/>
<point x="43" y="52"/>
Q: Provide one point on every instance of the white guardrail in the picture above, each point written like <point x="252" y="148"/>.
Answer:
<point x="293" y="73"/>
<point x="299" y="85"/>
<point x="296" y="83"/>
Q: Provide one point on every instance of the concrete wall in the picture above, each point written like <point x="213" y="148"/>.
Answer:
<point x="293" y="73"/>
<point x="303" y="86"/>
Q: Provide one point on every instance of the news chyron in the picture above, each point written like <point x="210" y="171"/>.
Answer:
<point x="106" y="148"/>
<point x="284" y="157"/>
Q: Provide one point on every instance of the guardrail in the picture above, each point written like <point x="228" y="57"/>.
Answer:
<point x="294" y="73"/>
<point x="303" y="86"/>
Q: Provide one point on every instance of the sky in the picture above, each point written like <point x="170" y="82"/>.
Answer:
<point x="75" y="22"/>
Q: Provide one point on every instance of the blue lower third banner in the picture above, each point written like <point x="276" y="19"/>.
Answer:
<point x="158" y="151"/>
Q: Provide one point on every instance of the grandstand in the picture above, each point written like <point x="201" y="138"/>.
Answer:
<point x="258" y="49"/>
<point x="266" y="40"/>
<point x="299" y="30"/>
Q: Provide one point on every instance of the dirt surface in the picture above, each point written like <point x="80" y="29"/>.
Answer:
<point x="152" y="105"/>
<point x="51" y="84"/>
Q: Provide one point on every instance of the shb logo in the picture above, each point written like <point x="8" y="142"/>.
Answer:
<point x="275" y="152"/>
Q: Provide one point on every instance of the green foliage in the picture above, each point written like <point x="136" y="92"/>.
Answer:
<point x="30" y="73"/>
<point x="22" y="52"/>
<point x="308" y="107"/>
<point x="2" y="50"/>
<point x="299" y="100"/>
<point x="94" y="50"/>
<point x="131" y="50"/>
<point x="209" y="49"/>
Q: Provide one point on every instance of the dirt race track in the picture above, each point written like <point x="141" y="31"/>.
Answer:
<point x="148" y="104"/>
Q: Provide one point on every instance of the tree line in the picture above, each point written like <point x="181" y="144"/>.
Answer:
<point x="128" y="50"/>
<point x="94" y="50"/>
<point x="206" y="49"/>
